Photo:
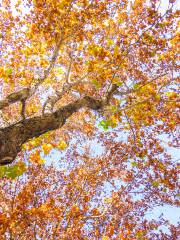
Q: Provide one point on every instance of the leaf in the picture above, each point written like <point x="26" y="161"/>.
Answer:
<point x="108" y="200"/>
<point x="117" y="81"/>
<point x="116" y="51"/>
<point x="155" y="184"/>
<point x="112" y="121"/>
<point x="96" y="83"/>
<point x="2" y="171"/>
<point x="47" y="148"/>
<point x="59" y="71"/>
<point x="104" y="124"/>
<point x="140" y="235"/>
<point x="136" y="86"/>
<point x="12" y="171"/>
<point x="110" y="42"/>
<point x="134" y="164"/>
<point x="105" y="238"/>
<point x="9" y="71"/>
<point x="62" y="145"/>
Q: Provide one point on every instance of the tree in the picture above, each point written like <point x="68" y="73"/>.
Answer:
<point x="73" y="70"/>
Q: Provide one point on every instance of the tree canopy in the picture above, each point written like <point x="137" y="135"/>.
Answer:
<point x="89" y="108"/>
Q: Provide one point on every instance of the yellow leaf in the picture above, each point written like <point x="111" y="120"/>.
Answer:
<point x="31" y="108"/>
<point x="41" y="161"/>
<point x="110" y="42"/>
<point x="105" y="238"/>
<point x="113" y="121"/>
<point x="116" y="51"/>
<point x="47" y="148"/>
<point x="62" y="145"/>
<point x="108" y="200"/>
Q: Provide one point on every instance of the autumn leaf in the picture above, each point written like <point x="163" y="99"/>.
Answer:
<point x="9" y="71"/>
<point x="47" y="148"/>
<point x="105" y="238"/>
<point x="104" y="124"/>
<point x="62" y="145"/>
<point x="36" y="158"/>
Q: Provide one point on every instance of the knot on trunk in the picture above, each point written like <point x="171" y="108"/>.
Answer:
<point x="8" y="149"/>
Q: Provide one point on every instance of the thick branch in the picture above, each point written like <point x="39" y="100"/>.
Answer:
<point x="14" y="97"/>
<point x="12" y="137"/>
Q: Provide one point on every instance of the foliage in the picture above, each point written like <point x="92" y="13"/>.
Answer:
<point x="122" y="53"/>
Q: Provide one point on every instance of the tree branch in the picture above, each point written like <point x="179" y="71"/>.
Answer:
<point x="15" y="97"/>
<point x="52" y="100"/>
<point x="27" y="92"/>
<point x="12" y="137"/>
